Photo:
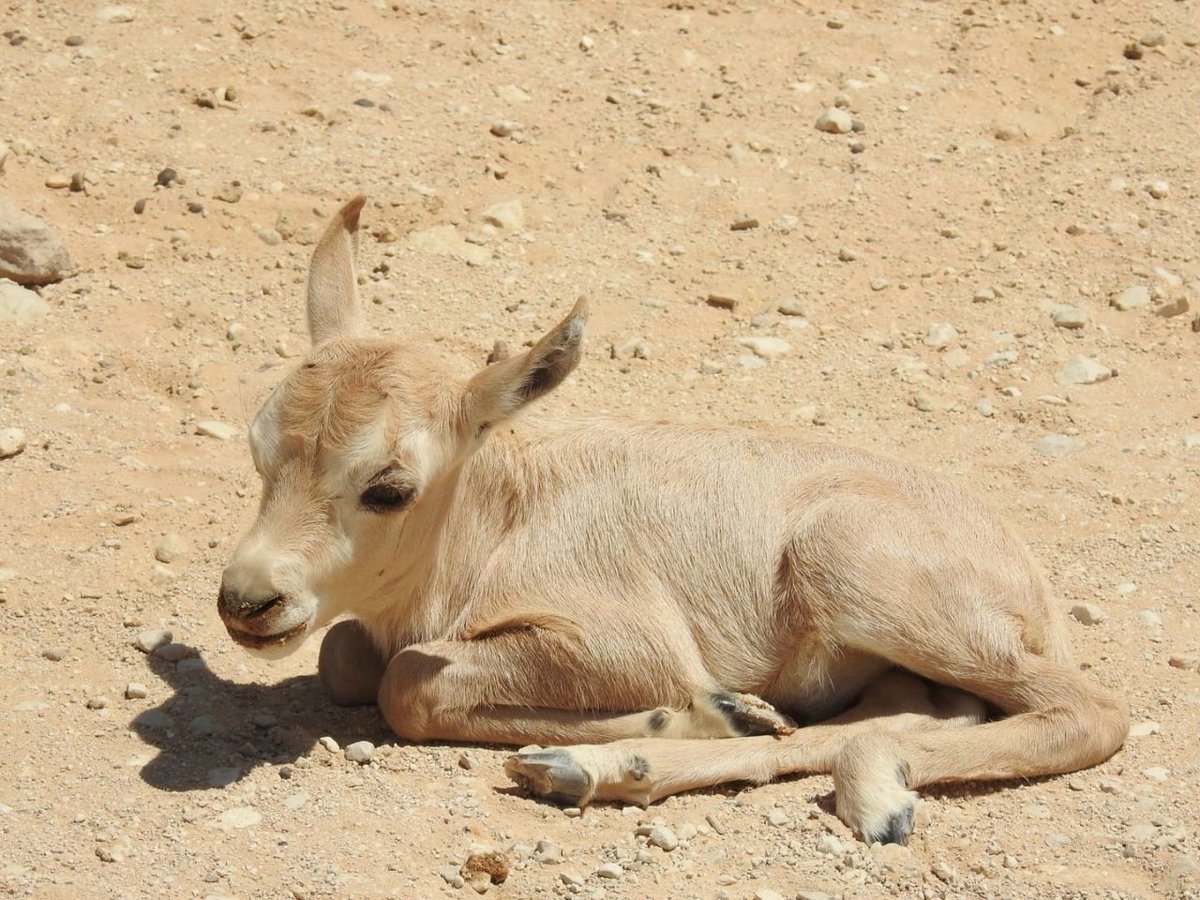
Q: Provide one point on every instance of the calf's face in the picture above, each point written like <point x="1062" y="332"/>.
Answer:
<point x="351" y="447"/>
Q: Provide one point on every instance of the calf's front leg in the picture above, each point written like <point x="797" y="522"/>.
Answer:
<point x="535" y="685"/>
<point x="350" y="665"/>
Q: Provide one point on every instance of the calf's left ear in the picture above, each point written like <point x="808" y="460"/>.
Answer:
<point x="503" y="389"/>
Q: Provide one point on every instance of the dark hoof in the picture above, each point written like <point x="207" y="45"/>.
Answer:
<point x="896" y="830"/>
<point x="750" y="716"/>
<point x="552" y="774"/>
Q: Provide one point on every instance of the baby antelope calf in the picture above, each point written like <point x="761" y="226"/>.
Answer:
<point x="657" y="606"/>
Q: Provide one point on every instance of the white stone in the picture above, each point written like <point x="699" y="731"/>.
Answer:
<point x="444" y="240"/>
<point x="1080" y="369"/>
<point x="172" y="547"/>
<point x="214" y="429"/>
<point x="18" y="305"/>
<point x="151" y="639"/>
<point x="940" y="334"/>
<point x="12" y="442"/>
<point x="1069" y="317"/>
<point x="835" y="121"/>
<point x="360" y="751"/>
<point x="508" y="214"/>
<point x="1132" y="298"/>
<point x="1088" y="613"/>
<point x="238" y="817"/>
<point x="116" y="15"/>
<point x="764" y="347"/>
<point x="30" y="253"/>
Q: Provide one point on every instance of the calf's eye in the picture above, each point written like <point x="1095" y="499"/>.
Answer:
<point x="384" y="498"/>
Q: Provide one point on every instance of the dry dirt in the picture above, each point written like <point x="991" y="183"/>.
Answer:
<point x="1001" y="172"/>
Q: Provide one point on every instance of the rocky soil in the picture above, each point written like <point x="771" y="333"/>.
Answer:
<point x="960" y="232"/>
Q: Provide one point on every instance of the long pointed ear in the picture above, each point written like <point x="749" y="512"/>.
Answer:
<point x="333" y="307"/>
<point x="502" y="389"/>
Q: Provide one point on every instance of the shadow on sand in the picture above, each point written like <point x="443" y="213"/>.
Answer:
<point x="212" y="732"/>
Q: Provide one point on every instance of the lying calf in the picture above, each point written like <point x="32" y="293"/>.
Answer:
<point x="636" y="590"/>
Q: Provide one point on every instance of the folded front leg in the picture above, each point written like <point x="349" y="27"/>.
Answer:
<point x="538" y="685"/>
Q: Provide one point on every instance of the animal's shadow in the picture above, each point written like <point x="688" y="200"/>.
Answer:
<point x="211" y="732"/>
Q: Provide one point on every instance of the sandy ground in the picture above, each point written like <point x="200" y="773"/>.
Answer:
<point x="1010" y="160"/>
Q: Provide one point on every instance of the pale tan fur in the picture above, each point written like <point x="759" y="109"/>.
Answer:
<point x="635" y="588"/>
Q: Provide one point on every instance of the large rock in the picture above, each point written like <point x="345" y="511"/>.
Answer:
<point x="18" y="305"/>
<point x="30" y="253"/>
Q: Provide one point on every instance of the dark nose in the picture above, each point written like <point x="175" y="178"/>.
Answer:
<point x="242" y="607"/>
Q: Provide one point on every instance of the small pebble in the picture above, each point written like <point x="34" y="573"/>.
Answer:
<point x="835" y="121"/>
<point x="329" y="744"/>
<point x="608" y="870"/>
<point x="172" y="547"/>
<point x="1080" y="369"/>
<point x="135" y="691"/>
<point x="360" y="751"/>
<point x="12" y="442"/>
<point x="173" y="652"/>
<point x="659" y="836"/>
<point x="722" y="301"/>
<point x="54" y="654"/>
<point x="166" y="177"/>
<point x="1158" y="189"/>
<point x="151" y="639"/>
<point x="1088" y="614"/>
<point x="1069" y="317"/>
<point x="1132" y="298"/>
<point x="97" y="703"/>
<point x="777" y="816"/>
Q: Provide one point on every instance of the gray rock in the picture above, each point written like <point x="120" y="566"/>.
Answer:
<point x="1069" y="317"/>
<point x="1088" y="614"/>
<point x="1080" y="369"/>
<point x="1132" y="298"/>
<point x="835" y="121"/>
<point x="12" y="442"/>
<point x="608" y="870"/>
<point x="20" y="306"/>
<point x="151" y="639"/>
<point x="777" y="816"/>
<point x="135" y="691"/>
<point x="30" y="253"/>
<point x="360" y="752"/>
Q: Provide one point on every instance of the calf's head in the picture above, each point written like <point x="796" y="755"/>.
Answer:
<point x="364" y="436"/>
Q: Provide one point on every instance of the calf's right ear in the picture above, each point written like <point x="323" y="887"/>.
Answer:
<point x="503" y="389"/>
